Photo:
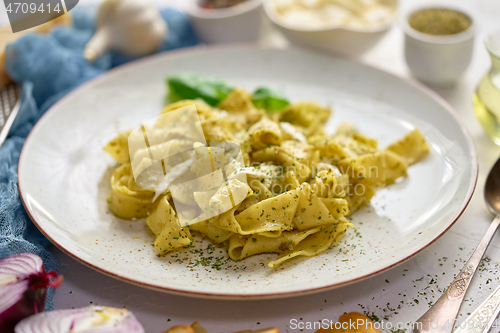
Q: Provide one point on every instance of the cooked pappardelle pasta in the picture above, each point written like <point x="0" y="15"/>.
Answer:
<point x="290" y="191"/>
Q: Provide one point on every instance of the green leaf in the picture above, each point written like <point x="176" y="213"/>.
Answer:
<point x="192" y="86"/>
<point x="269" y="99"/>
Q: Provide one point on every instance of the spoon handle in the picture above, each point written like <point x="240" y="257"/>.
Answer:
<point x="440" y="318"/>
<point x="481" y="320"/>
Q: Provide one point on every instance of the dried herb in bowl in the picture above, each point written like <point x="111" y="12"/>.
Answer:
<point x="440" y="21"/>
<point x="217" y="4"/>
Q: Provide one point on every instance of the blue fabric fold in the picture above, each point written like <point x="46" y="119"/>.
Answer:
<point x="48" y="67"/>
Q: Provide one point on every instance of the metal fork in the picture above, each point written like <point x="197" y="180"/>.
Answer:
<point x="9" y="108"/>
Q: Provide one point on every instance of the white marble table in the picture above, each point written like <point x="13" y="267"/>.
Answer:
<point x="400" y="295"/>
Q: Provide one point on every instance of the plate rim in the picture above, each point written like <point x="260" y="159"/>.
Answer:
<point x="262" y="295"/>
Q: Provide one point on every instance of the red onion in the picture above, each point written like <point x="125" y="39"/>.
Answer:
<point x="91" y="319"/>
<point x="23" y="288"/>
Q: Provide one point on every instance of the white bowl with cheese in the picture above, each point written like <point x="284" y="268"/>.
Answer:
<point x="350" y="27"/>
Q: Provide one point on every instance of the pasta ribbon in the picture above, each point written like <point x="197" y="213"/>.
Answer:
<point x="289" y="244"/>
<point x="380" y="168"/>
<point x="126" y="199"/>
<point x="164" y="223"/>
<point x="264" y="133"/>
<point x="411" y="147"/>
<point x="308" y="115"/>
<point x="315" y="243"/>
<point x="313" y="211"/>
<point x="251" y="180"/>
<point x="118" y="148"/>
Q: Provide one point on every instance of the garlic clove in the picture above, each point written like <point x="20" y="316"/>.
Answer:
<point x="97" y="45"/>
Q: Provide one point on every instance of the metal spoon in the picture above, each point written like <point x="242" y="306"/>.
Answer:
<point x="440" y="318"/>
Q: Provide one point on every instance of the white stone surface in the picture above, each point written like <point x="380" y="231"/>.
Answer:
<point x="396" y="289"/>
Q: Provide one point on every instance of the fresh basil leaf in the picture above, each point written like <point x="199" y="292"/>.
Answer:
<point x="269" y="99"/>
<point x="192" y="86"/>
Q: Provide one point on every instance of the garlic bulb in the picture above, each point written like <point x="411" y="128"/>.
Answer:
<point x="133" y="27"/>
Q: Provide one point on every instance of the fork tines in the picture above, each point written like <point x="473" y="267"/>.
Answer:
<point x="9" y="107"/>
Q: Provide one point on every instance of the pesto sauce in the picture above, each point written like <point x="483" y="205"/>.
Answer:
<point x="439" y="21"/>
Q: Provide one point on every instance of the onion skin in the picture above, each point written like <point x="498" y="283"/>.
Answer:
<point x="27" y="294"/>
<point x="90" y="319"/>
<point x="33" y="301"/>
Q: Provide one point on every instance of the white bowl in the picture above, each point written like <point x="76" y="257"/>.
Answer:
<point x="438" y="59"/>
<point x="240" y="23"/>
<point x="350" y="41"/>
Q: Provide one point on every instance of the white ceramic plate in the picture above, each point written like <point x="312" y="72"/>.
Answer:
<point x="64" y="173"/>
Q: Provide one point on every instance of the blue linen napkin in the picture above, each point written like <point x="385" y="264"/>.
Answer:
<point x="48" y="67"/>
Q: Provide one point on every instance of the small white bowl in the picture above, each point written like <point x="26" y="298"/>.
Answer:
<point x="240" y="23"/>
<point x="438" y="59"/>
<point x="349" y="41"/>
